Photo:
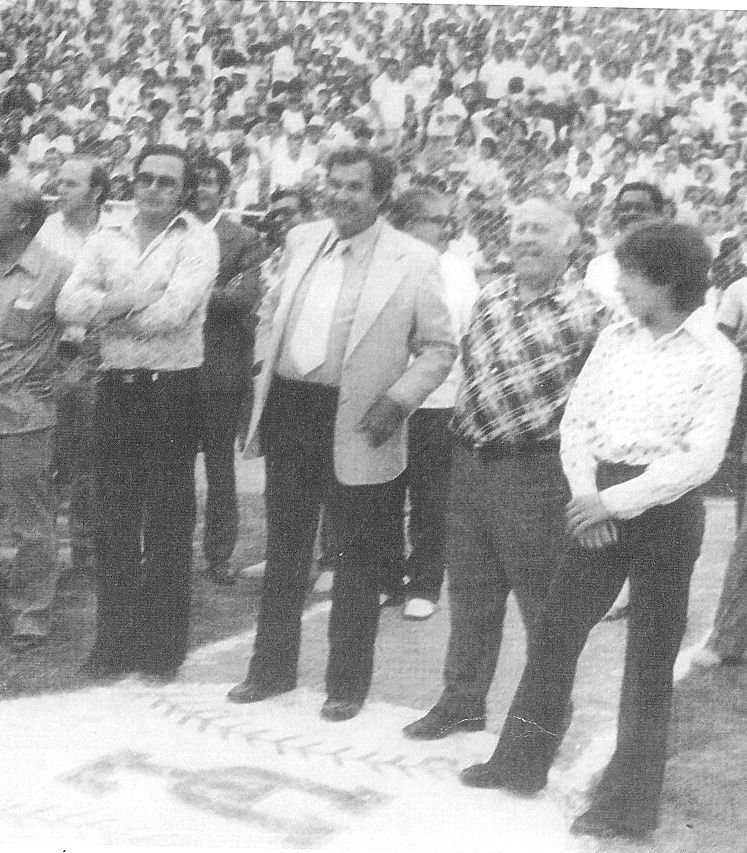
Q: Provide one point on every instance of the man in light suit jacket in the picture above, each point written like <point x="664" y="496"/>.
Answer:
<point x="353" y="336"/>
<point x="228" y="336"/>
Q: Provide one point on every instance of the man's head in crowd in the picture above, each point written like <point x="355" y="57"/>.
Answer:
<point x="288" y="208"/>
<point x="359" y="181"/>
<point x="637" y="201"/>
<point x="83" y="186"/>
<point x="541" y="239"/>
<point x="22" y="214"/>
<point x="423" y="213"/>
<point x="213" y="182"/>
<point x="165" y="184"/>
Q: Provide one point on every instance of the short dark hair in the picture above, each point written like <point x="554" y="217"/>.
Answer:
<point x="657" y="199"/>
<point x="26" y="203"/>
<point x="162" y="150"/>
<point x="382" y="167"/>
<point x="669" y="254"/>
<point x="210" y="163"/>
<point x="304" y="202"/>
<point x="410" y="204"/>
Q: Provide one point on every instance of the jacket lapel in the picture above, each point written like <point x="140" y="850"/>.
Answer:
<point x="297" y="269"/>
<point x="385" y="271"/>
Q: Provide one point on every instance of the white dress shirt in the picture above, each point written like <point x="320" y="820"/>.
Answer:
<point x="460" y="288"/>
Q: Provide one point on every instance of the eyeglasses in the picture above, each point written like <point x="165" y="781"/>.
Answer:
<point x="162" y="182"/>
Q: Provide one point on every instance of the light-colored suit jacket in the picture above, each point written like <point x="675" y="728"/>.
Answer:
<point x="401" y="343"/>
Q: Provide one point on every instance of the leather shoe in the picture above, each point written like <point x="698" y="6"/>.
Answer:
<point x="251" y="691"/>
<point x="599" y="826"/>
<point x="488" y="776"/>
<point x="437" y="724"/>
<point x="337" y="710"/>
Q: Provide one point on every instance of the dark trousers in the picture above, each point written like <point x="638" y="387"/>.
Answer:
<point x="429" y="445"/>
<point x="657" y="550"/>
<point x="220" y="415"/>
<point x="146" y="441"/>
<point x="29" y="507"/>
<point x="74" y="458"/>
<point x="297" y="438"/>
<point x="505" y="533"/>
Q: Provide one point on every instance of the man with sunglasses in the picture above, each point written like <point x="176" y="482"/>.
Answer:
<point x="145" y="285"/>
<point x="424" y="214"/>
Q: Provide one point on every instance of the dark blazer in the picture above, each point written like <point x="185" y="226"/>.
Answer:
<point x="228" y="332"/>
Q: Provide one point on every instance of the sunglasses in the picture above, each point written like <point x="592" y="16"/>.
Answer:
<point x="162" y="182"/>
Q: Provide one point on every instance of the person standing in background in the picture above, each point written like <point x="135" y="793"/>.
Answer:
<point x="83" y="187"/>
<point x="226" y="383"/>
<point x="424" y="214"/>
<point x="31" y="279"/>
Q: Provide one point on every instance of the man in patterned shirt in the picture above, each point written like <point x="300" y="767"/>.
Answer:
<point x="526" y="343"/>
<point x="645" y="425"/>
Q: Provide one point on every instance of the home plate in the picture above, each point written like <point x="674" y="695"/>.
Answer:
<point x="131" y="764"/>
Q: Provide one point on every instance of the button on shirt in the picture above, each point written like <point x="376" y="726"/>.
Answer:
<point x="520" y="361"/>
<point x="666" y="403"/>
<point x="356" y="253"/>
<point x="181" y="264"/>
<point x="28" y="339"/>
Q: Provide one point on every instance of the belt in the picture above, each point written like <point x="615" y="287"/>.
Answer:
<point x="497" y="449"/>
<point x="142" y="376"/>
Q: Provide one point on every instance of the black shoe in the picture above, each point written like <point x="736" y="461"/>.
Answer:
<point x="437" y="724"/>
<point x="336" y="710"/>
<point x="222" y="573"/>
<point x="159" y="676"/>
<point x="590" y="823"/>
<point x="488" y="776"/>
<point x="251" y="691"/>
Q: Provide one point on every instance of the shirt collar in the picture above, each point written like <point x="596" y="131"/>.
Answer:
<point x="30" y="261"/>
<point x="359" y="244"/>
<point x="700" y="324"/>
<point x="183" y="220"/>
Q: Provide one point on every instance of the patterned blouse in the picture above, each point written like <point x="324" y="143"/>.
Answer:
<point x="667" y="403"/>
<point x="520" y="360"/>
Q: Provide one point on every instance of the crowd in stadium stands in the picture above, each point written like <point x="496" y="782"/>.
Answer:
<point x="489" y="103"/>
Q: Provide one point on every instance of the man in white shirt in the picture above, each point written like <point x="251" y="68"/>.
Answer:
<point x="424" y="214"/>
<point x="635" y="202"/>
<point x="389" y="92"/>
<point x="646" y="424"/>
<point x="146" y="284"/>
<point x="84" y="187"/>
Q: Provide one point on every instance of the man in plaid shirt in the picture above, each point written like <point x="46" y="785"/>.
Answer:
<point x="528" y="338"/>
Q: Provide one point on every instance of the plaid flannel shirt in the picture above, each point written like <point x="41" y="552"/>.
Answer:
<point x="520" y="360"/>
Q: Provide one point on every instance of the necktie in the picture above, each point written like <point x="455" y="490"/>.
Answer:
<point x="308" y="346"/>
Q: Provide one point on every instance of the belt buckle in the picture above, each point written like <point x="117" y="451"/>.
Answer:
<point x="129" y="378"/>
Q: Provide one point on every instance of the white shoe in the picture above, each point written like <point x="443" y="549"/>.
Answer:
<point x="254" y="571"/>
<point x="324" y="582"/>
<point x="706" y="657"/>
<point x="419" y="608"/>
